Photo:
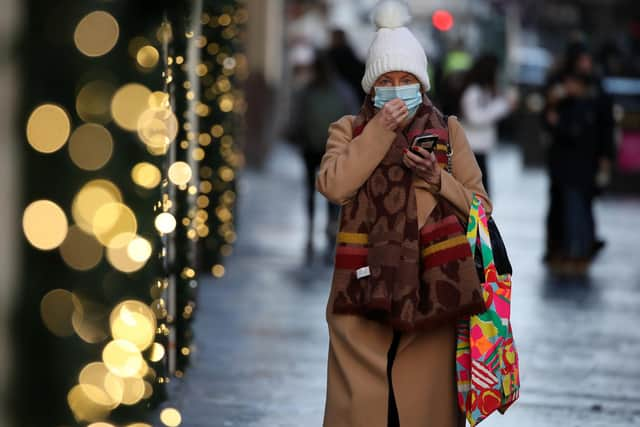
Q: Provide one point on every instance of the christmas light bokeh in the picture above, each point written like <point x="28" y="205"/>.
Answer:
<point x="143" y="136"/>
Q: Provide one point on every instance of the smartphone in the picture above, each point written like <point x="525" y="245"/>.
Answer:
<point x="427" y="142"/>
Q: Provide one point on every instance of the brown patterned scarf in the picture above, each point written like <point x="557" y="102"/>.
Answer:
<point x="386" y="268"/>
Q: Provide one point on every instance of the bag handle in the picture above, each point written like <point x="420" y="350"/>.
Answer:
<point x="478" y="236"/>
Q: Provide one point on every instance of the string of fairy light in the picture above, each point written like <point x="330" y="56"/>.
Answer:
<point x="224" y="69"/>
<point x="141" y="334"/>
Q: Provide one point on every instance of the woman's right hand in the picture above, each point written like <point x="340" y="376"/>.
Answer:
<point x="392" y="114"/>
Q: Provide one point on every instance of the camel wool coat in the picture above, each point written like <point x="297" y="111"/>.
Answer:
<point x="423" y="372"/>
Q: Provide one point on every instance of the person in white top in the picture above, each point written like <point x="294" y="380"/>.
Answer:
<point x="481" y="107"/>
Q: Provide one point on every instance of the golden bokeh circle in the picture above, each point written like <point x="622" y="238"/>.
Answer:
<point x="134" y="390"/>
<point x="218" y="270"/>
<point x="171" y="417"/>
<point x="146" y="175"/>
<point x="114" y="225"/>
<point x="91" y="197"/>
<point x="135" y="44"/>
<point x="134" y="322"/>
<point x="48" y="128"/>
<point x="139" y="249"/>
<point x="83" y="407"/>
<point x="180" y="173"/>
<point x="119" y="258"/>
<point x="96" y="34"/>
<point x="147" y="56"/>
<point x="217" y="131"/>
<point x="56" y="309"/>
<point x="157" y="352"/>
<point x="96" y="376"/>
<point x="226" y="174"/>
<point x="159" y="99"/>
<point x="93" y="101"/>
<point x="198" y="154"/>
<point x="157" y="127"/>
<point x="204" y="139"/>
<point x="128" y="104"/>
<point x="123" y="359"/>
<point x="165" y="223"/>
<point x="44" y="224"/>
<point x="90" y="146"/>
<point x="80" y="250"/>
<point x="226" y="103"/>
<point x="148" y="390"/>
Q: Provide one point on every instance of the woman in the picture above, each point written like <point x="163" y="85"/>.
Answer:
<point x="482" y="107"/>
<point x="403" y="271"/>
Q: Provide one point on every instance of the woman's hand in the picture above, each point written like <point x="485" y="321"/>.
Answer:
<point x="392" y="114"/>
<point x="424" y="165"/>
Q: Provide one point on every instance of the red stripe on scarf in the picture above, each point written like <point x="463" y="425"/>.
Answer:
<point x="447" y="255"/>
<point x="350" y="257"/>
<point x="444" y="228"/>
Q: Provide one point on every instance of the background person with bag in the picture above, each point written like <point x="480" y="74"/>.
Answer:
<point x="404" y="273"/>
<point x="482" y="107"/>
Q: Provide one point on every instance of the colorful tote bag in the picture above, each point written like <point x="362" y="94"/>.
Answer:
<point x="486" y="357"/>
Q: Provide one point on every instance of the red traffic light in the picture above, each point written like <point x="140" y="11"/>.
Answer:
<point x="443" y="20"/>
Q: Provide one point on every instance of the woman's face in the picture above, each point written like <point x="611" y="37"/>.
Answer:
<point x="395" y="78"/>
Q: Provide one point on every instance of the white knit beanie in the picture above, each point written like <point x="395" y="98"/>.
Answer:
<point x="394" y="48"/>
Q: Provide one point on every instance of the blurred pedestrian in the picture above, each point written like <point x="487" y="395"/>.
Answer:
<point x="481" y="107"/>
<point x="451" y="78"/>
<point x="320" y="98"/>
<point x="396" y="292"/>
<point x="579" y="117"/>
<point x="345" y="62"/>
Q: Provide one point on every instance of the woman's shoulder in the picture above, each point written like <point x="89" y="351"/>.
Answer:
<point x="341" y="130"/>
<point x="343" y="124"/>
<point x="455" y="129"/>
<point x="349" y="118"/>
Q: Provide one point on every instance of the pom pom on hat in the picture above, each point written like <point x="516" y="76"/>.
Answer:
<point x="394" y="48"/>
<point x="391" y="14"/>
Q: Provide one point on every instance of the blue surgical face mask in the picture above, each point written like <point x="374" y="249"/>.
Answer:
<point x="410" y="94"/>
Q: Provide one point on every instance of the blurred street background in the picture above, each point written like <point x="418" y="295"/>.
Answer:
<point x="166" y="260"/>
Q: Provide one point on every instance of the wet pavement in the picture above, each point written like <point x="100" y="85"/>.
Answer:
<point x="262" y="341"/>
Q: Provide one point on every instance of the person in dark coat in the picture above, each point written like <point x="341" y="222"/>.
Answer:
<point x="345" y="62"/>
<point x="324" y="98"/>
<point x="579" y="117"/>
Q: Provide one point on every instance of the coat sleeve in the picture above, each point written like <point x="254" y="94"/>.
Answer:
<point x="466" y="179"/>
<point x="348" y="162"/>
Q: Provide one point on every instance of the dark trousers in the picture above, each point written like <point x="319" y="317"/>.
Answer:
<point x="311" y="163"/>
<point x="579" y="224"/>
<point x="393" y="419"/>
<point x="570" y="223"/>
<point x="482" y="162"/>
<point x="555" y="232"/>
